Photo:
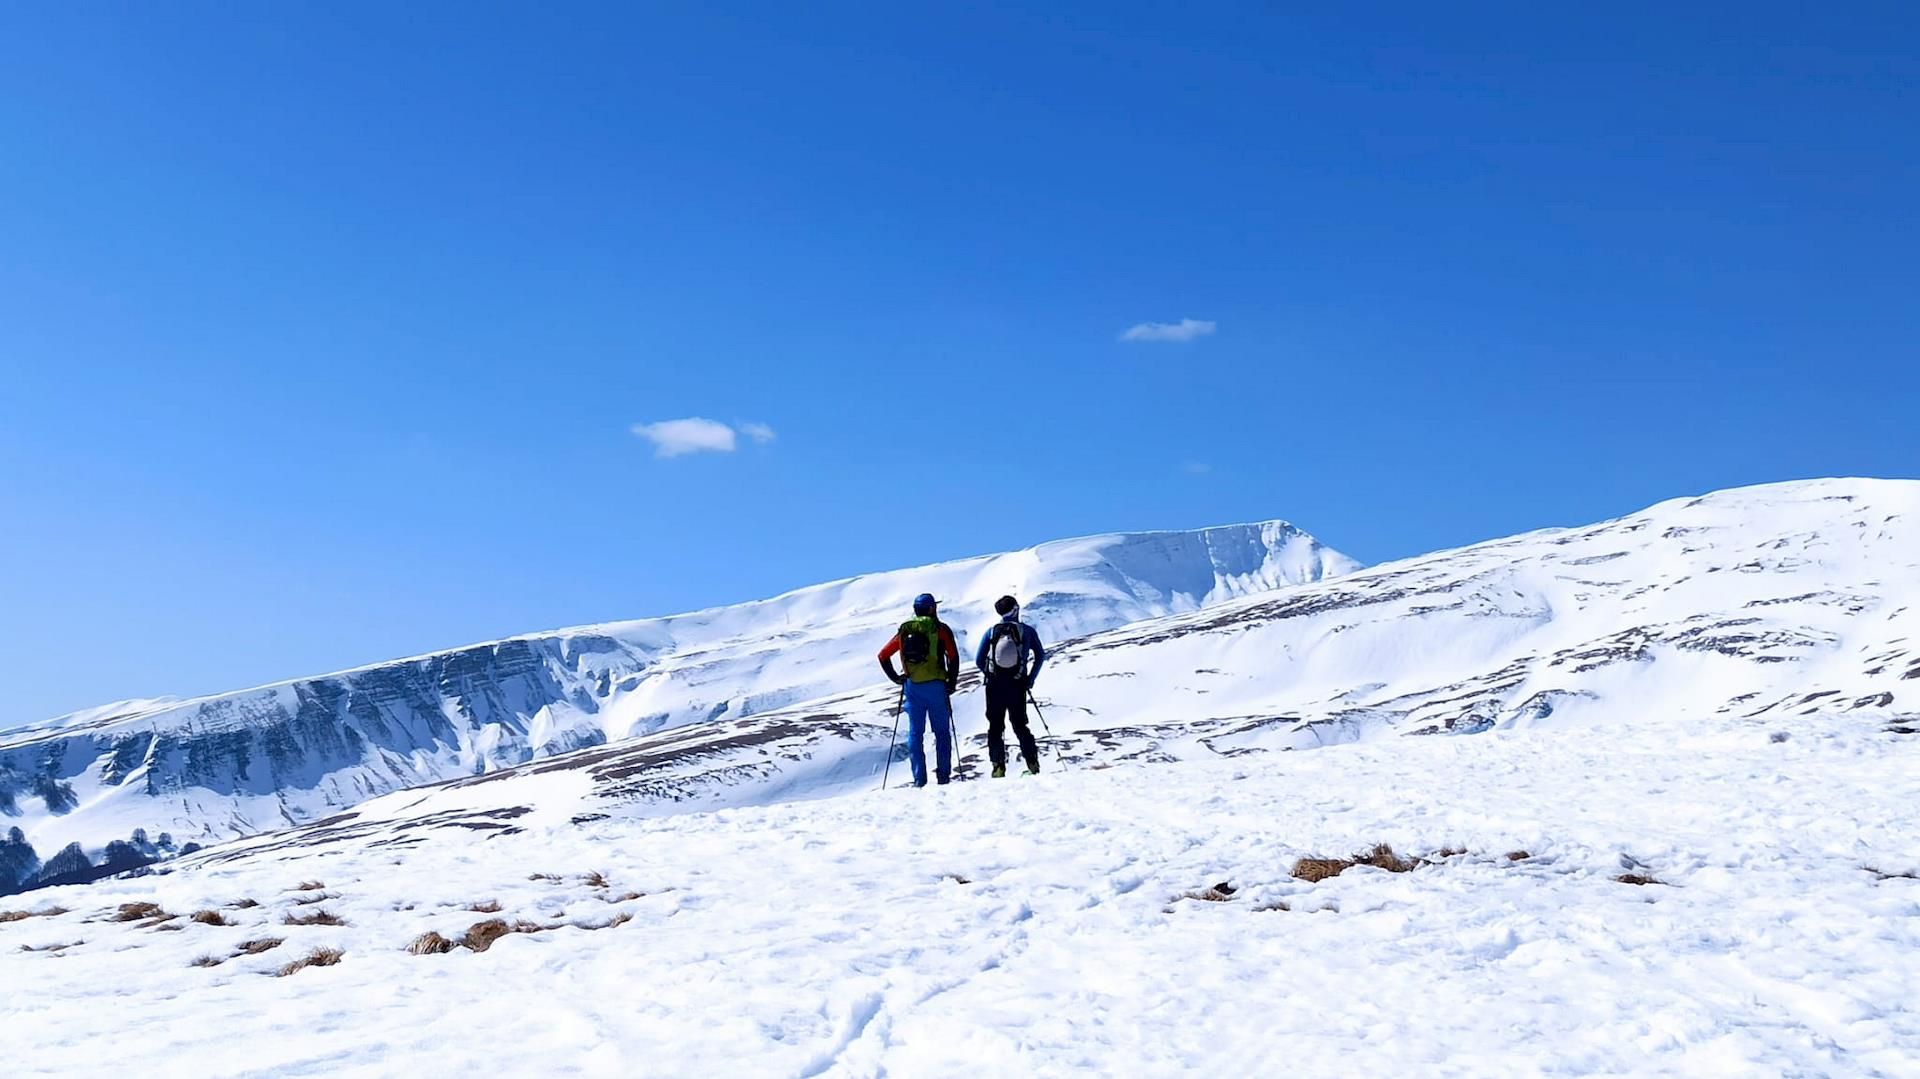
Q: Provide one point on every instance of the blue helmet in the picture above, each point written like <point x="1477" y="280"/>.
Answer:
<point x="923" y="604"/>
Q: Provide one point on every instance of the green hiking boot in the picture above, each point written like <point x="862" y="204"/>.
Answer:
<point x="999" y="771"/>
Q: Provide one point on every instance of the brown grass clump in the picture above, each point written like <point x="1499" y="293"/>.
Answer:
<point x="491" y="906"/>
<point x="15" y="915"/>
<point x="315" y="897"/>
<point x="207" y="961"/>
<point x="309" y="886"/>
<point x="244" y="904"/>
<point x="133" y="912"/>
<point x="264" y="944"/>
<point x="1518" y="855"/>
<point x="318" y="917"/>
<point x="595" y="879"/>
<point x="642" y="895"/>
<point x="210" y="917"/>
<point x="50" y="947"/>
<point x="554" y="878"/>
<point x="1383" y="857"/>
<point x="481" y="935"/>
<point x="1314" y="870"/>
<point x="319" y="957"/>
<point x="429" y="943"/>
<point x="1638" y="878"/>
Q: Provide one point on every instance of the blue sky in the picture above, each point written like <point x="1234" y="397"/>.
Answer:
<point x="325" y="329"/>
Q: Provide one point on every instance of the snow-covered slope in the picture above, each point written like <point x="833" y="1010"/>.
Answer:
<point x="234" y="764"/>
<point x="1062" y="925"/>
<point x="1654" y="779"/>
<point x="1759" y="605"/>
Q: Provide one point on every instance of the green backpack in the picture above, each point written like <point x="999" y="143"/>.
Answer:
<point x="920" y="649"/>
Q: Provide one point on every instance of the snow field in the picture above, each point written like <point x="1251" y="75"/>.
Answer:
<point x="1035" y="926"/>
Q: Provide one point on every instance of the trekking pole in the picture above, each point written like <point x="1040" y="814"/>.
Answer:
<point x="1058" y="754"/>
<point x="897" y="709"/>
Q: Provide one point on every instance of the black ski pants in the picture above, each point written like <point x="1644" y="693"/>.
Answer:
<point x="1007" y="699"/>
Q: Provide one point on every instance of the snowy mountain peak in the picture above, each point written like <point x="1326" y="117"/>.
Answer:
<point x="231" y="764"/>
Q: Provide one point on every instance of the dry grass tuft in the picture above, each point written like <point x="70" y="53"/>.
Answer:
<point x="429" y="943"/>
<point x="642" y="895"/>
<point x="309" y="886"/>
<point x="133" y="912"/>
<point x="207" y="961"/>
<point x="50" y="947"/>
<point x="595" y="879"/>
<point x="553" y="878"/>
<point x="159" y="928"/>
<point x="491" y="906"/>
<point x="15" y="915"/>
<point x="314" y="897"/>
<point x="210" y="917"/>
<point x="1449" y="852"/>
<point x="244" y="904"/>
<point x="1638" y="878"/>
<point x="264" y="944"/>
<point x="318" y="917"/>
<point x="1518" y="855"/>
<point x="1383" y="857"/>
<point x="1314" y="870"/>
<point x="482" y="935"/>
<point x="319" y="957"/>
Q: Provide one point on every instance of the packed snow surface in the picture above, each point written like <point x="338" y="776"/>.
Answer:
<point x="1043" y="926"/>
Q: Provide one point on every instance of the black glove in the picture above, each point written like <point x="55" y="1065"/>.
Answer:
<point x="953" y="684"/>
<point x="896" y="679"/>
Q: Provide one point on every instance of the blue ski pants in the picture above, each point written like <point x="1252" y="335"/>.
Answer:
<point x="928" y="701"/>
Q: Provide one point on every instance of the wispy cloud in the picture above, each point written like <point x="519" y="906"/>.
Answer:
<point x="1196" y="468"/>
<point x="677" y="438"/>
<point x="1184" y="330"/>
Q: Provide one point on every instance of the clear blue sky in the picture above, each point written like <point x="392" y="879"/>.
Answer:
<point x="324" y="328"/>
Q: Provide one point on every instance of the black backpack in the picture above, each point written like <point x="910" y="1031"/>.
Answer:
<point x="915" y="646"/>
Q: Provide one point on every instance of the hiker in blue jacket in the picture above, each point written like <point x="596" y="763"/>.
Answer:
<point x="1010" y="657"/>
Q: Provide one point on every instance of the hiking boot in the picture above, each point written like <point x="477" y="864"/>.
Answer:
<point x="999" y="771"/>
<point x="1033" y="767"/>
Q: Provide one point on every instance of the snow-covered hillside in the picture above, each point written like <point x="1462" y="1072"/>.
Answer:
<point x="234" y="764"/>
<point x="1760" y="605"/>
<point x="1063" y="924"/>
<point x="1648" y="785"/>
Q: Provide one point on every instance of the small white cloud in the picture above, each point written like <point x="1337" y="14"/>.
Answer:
<point x="1196" y="468"/>
<point x="1184" y="330"/>
<point x="759" y="432"/>
<point x="676" y="438"/>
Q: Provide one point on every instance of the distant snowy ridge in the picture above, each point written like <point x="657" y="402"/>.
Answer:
<point x="212" y="768"/>
<point x="1756" y="606"/>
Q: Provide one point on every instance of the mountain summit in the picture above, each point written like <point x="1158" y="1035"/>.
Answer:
<point x="233" y="764"/>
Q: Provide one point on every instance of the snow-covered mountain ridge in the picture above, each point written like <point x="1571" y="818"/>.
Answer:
<point x="234" y="764"/>
<point x="1755" y="606"/>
